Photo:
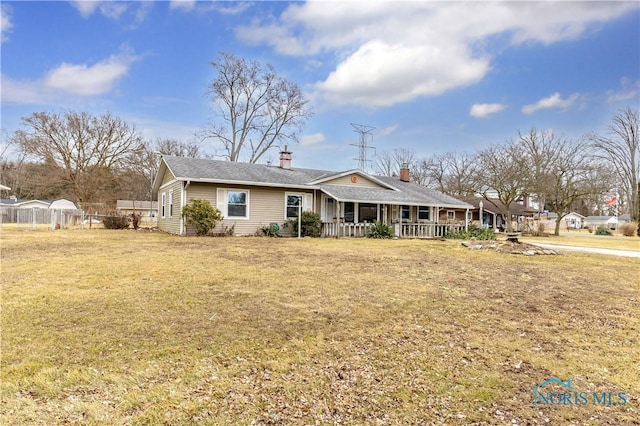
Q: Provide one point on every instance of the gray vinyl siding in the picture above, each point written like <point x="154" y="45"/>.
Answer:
<point x="346" y="180"/>
<point x="266" y="206"/>
<point x="170" y="223"/>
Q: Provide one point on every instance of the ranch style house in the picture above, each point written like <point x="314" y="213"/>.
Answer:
<point x="252" y="196"/>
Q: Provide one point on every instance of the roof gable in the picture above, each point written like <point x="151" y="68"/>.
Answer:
<point x="353" y="178"/>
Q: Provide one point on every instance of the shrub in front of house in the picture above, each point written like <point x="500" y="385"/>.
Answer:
<point x="116" y="222"/>
<point x="603" y="231"/>
<point x="310" y="226"/>
<point x="202" y="215"/>
<point x="472" y="231"/>
<point x="628" y="229"/>
<point x="379" y="230"/>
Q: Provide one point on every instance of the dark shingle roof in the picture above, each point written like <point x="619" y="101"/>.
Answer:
<point x="203" y="170"/>
<point x="215" y="170"/>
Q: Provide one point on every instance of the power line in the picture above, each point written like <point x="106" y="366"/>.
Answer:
<point x="366" y="133"/>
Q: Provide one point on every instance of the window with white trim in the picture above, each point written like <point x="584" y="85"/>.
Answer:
<point x="424" y="213"/>
<point x="237" y="204"/>
<point x="171" y="203"/>
<point x="405" y="213"/>
<point x="367" y="212"/>
<point x="293" y="205"/>
<point x="164" y="203"/>
<point x="451" y="215"/>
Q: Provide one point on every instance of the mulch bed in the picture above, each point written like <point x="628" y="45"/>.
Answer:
<point x="508" y="247"/>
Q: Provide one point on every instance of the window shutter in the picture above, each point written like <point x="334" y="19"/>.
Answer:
<point x="307" y="203"/>
<point x="221" y="201"/>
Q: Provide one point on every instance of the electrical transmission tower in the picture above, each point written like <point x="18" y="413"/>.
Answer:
<point x="365" y="134"/>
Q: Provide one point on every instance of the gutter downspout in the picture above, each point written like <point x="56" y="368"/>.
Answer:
<point x="183" y="202"/>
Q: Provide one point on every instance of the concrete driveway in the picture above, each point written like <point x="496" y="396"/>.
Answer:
<point x="624" y="253"/>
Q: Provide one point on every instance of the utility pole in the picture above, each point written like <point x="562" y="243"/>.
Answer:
<point x="366" y="133"/>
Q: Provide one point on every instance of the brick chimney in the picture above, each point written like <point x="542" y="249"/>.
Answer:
<point x="285" y="158"/>
<point x="404" y="173"/>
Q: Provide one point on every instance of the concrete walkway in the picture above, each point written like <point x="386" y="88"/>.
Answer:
<point x="614" y="252"/>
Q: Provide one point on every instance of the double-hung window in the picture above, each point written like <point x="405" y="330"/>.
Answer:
<point x="237" y="203"/>
<point x="164" y="203"/>
<point x="423" y="213"/>
<point x="171" y="203"/>
<point x="294" y="205"/>
<point x="405" y="213"/>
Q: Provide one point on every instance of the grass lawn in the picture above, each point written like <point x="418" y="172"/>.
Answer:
<point x="124" y="327"/>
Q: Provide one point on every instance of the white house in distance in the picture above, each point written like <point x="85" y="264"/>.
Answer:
<point x="572" y="220"/>
<point x="58" y="213"/>
<point x="594" y="222"/>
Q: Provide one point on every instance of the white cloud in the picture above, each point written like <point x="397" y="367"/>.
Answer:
<point x="222" y="7"/>
<point x="312" y="139"/>
<point x="68" y="79"/>
<point x="628" y="91"/>
<point x="110" y="9"/>
<point x="389" y="130"/>
<point x="22" y="91"/>
<point x="553" y="101"/>
<point x="89" y="80"/>
<point x="5" y="22"/>
<point x="391" y="52"/>
<point x="485" y="110"/>
<point x="379" y="74"/>
<point x="182" y="5"/>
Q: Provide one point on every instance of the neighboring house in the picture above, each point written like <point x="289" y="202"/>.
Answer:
<point x="148" y="211"/>
<point x="39" y="204"/>
<point x="25" y="204"/>
<point x="252" y="196"/>
<point x="572" y="220"/>
<point x="58" y="213"/>
<point x="593" y="222"/>
<point x="144" y="208"/>
<point x="492" y="218"/>
<point x="624" y="218"/>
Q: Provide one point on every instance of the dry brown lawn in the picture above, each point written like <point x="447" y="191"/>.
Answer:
<point x="125" y="327"/>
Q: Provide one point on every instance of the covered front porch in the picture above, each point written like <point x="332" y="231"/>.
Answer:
<point x="343" y="218"/>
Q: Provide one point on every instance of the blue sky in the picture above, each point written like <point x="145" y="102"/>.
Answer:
<point x="429" y="76"/>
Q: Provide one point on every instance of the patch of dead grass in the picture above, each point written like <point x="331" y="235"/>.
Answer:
<point x="124" y="327"/>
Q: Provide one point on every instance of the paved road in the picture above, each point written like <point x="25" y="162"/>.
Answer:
<point x="625" y="253"/>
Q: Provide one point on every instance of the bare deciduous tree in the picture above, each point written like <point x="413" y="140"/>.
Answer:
<point x="561" y="173"/>
<point x="84" y="151"/>
<point x="390" y="163"/>
<point x="502" y="173"/>
<point x="167" y="146"/>
<point x="258" y="109"/>
<point x="621" y="148"/>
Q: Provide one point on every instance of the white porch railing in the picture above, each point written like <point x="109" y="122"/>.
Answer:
<point x="428" y="230"/>
<point x="330" y="229"/>
<point x="401" y="230"/>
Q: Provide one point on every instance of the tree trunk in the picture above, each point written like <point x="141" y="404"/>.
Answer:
<point x="556" y="231"/>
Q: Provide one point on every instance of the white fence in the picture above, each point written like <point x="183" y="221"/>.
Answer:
<point x="55" y="218"/>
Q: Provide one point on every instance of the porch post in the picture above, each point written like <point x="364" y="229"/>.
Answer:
<point x="466" y="220"/>
<point x="338" y="215"/>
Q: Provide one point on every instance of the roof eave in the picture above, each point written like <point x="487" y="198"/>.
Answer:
<point x="248" y="183"/>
